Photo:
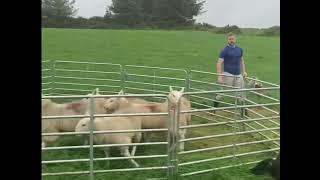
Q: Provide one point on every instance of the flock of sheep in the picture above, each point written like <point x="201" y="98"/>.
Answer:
<point x="115" y="105"/>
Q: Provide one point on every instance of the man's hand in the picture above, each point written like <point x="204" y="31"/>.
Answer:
<point x="220" y="79"/>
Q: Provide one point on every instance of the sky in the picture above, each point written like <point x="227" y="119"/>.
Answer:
<point x="243" y="13"/>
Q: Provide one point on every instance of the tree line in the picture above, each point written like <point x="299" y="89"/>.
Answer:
<point x="135" y="14"/>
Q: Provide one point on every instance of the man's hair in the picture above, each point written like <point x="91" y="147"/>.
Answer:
<point x="231" y="34"/>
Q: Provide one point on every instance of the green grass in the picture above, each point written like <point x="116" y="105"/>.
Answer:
<point x="175" y="49"/>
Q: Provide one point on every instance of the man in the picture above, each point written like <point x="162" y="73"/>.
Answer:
<point x="231" y="68"/>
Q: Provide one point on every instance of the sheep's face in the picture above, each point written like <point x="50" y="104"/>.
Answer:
<point x="175" y="95"/>
<point x="83" y="125"/>
<point x="98" y="103"/>
<point x="112" y="104"/>
<point x="262" y="167"/>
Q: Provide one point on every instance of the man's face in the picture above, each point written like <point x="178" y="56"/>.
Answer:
<point x="232" y="40"/>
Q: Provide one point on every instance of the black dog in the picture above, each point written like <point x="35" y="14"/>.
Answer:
<point x="268" y="166"/>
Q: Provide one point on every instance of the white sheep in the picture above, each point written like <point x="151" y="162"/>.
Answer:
<point x="50" y="108"/>
<point x="117" y="123"/>
<point x="116" y="103"/>
<point x="154" y="122"/>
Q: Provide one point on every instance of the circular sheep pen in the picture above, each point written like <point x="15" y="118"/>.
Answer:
<point x="236" y="133"/>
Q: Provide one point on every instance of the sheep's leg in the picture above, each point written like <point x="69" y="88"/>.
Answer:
<point x="133" y="151"/>
<point x="107" y="153"/>
<point x="125" y="152"/>
<point x="86" y="142"/>
<point x="182" y="133"/>
<point x="136" y="139"/>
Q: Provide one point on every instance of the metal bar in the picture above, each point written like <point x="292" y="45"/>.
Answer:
<point x="91" y="137"/>
<point x="262" y="133"/>
<point x="101" y="159"/>
<point x="72" y="70"/>
<point x="231" y="90"/>
<point x="104" y="96"/>
<point x="213" y="100"/>
<point x="87" y="78"/>
<point x="130" y="169"/>
<point x="228" y="122"/>
<point x="265" y="96"/>
<point x="105" y="115"/>
<point x="223" y="108"/>
<point x="228" y="134"/>
<point x="144" y="89"/>
<point x="83" y="62"/>
<point x="65" y="173"/>
<point x="159" y="77"/>
<point x="151" y="84"/>
<point x="150" y="67"/>
<point x="45" y="89"/>
<point x="219" y="168"/>
<point x="79" y="84"/>
<point x="53" y="73"/>
<point x="222" y="102"/>
<point x="228" y="146"/>
<point x="104" y="145"/>
<point x="266" y="108"/>
<point x="221" y="116"/>
<point x="99" y="132"/>
<point x="203" y="82"/>
<point x="265" y="82"/>
<point x="227" y="157"/>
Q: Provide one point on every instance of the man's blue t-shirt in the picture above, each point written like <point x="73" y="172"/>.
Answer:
<point x="232" y="58"/>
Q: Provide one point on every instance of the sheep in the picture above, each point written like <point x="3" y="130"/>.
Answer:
<point x="268" y="166"/>
<point x="115" y="103"/>
<point x="117" y="123"/>
<point x="50" y="108"/>
<point x="154" y="122"/>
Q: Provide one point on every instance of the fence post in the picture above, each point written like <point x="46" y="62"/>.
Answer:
<point x="236" y="125"/>
<point x="188" y="83"/>
<point x="53" y="74"/>
<point x="91" y="136"/>
<point x="123" y="75"/>
<point x="172" y="144"/>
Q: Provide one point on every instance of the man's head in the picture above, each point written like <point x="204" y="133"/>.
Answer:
<point x="231" y="38"/>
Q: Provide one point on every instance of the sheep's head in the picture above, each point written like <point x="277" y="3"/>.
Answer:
<point x="98" y="103"/>
<point x="45" y="102"/>
<point x="175" y="95"/>
<point x="83" y="125"/>
<point x="113" y="104"/>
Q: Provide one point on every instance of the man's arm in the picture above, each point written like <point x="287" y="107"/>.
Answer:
<point x="243" y="68"/>
<point x="219" y="70"/>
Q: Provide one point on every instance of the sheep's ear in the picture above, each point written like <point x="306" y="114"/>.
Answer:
<point x="121" y="92"/>
<point x="170" y="89"/>
<point x="182" y="90"/>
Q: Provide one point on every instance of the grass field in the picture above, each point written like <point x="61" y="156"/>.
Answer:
<point x="176" y="49"/>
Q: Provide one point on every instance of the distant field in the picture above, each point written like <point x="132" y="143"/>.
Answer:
<point x="175" y="49"/>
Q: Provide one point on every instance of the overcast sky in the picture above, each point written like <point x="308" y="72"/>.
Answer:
<point x="243" y="13"/>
